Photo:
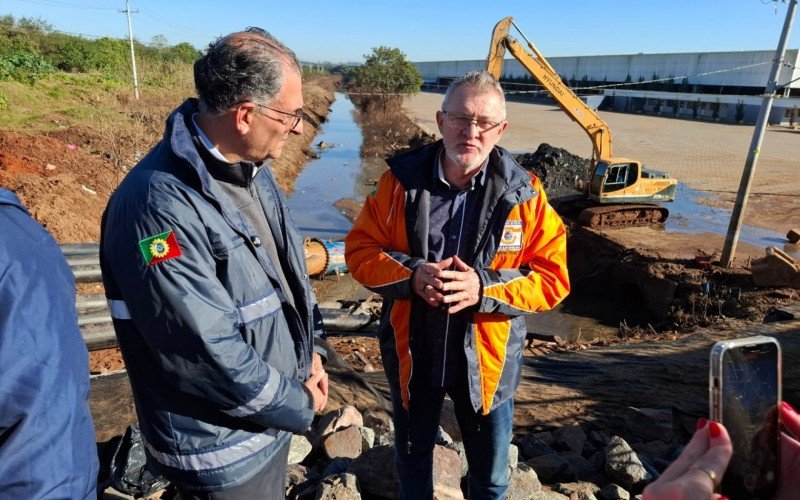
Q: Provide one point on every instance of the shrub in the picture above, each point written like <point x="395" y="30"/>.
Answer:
<point x="24" y="67"/>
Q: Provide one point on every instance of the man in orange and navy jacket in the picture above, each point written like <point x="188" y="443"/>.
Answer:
<point x="461" y="243"/>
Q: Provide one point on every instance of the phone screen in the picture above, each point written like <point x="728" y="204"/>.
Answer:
<point x="750" y="392"/>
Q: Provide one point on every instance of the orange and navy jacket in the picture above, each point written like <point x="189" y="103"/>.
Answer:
<point x="520" y="258"/>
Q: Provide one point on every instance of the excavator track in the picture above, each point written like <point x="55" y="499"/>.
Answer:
<point x="617" y="216"/>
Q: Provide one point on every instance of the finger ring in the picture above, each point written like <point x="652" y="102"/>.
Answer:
<point x="709" y="472"/>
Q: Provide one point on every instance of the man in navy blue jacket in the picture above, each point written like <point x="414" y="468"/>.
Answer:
<point x="206" y="280"/>
<point x="47" y="447"/>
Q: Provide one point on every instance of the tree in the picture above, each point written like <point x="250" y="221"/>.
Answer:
<point x="387" y="71"/>
<point x="159" y="41"/>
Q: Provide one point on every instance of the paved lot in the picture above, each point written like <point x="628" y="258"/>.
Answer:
<point x="703" y="155"/>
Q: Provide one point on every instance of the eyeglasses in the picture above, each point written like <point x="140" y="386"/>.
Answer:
<point x="464" y="121"/>
<point x="296" y="116"/>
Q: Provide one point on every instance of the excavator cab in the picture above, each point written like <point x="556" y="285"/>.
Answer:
<point x="625" y="181"/>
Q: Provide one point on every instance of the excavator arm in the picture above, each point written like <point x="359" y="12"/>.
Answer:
<point x="542" y="72"/>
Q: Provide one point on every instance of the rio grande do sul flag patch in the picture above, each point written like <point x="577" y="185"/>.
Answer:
<point x="159" y="248"/>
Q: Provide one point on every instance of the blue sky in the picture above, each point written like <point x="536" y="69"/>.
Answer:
<point x="429" y="30"/>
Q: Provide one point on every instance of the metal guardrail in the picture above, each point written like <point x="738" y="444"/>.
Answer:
<point x="94" y="318"/>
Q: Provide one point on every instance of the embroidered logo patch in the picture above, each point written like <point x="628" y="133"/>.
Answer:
<point x="511" y="239"/>
<point x="159" y="248"/>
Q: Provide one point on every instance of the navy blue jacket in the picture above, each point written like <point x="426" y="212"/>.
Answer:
<point x="47" y="447"/>
<point x="215" y="353"/>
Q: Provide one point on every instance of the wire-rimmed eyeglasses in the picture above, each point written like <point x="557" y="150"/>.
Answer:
<point x="295" y="120"/>
<point x="464" y="121"/>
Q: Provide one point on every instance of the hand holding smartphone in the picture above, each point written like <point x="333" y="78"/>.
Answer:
<point x="745" y="392"/>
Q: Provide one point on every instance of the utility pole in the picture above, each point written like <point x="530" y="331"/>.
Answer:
<point x="133" y="55"/>
<point x="735" y="226"/>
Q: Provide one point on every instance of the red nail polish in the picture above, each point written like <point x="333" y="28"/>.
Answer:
<point x="714" y="429"/>
<point x="701" y="423"/>
<point x="787" y="407"/>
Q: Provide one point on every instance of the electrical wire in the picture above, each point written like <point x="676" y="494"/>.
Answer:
<point x="55" y="3"/>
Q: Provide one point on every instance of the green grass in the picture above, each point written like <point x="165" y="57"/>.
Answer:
<point x="64" y="99"/>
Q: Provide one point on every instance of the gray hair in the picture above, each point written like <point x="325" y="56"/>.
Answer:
<point x="244" y="66"/>
<point x="482" y="81"/>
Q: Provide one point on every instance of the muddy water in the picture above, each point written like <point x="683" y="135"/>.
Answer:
<point x="338" y="173"/>
<point x="688" y="214"/>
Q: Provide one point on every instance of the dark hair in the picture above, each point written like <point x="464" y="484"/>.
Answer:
<point x="243" y="66"/>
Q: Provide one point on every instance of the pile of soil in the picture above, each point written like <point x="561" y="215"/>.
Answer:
<point x="558" y="169"/>
<point x="64" y="186"/>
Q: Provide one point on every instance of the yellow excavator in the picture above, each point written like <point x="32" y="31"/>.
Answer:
<point x="620" y="191"/>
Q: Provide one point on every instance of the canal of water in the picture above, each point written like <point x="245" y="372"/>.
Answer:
<point x="338" y="173"/>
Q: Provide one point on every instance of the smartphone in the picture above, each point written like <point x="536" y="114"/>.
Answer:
<point x="744" y="394"/>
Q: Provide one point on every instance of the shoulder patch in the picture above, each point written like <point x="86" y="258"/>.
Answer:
<point x="159" y="248"/>
<point x="511" y="239"/>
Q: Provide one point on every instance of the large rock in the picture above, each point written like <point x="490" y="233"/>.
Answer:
<point x="339" y="487"/>
<point x="346" y="443"/>
<point x="793" y="235"/>
<point x="335" y="466"/>
<point x="624" y="467"/>
<point x="775" y="270"/>
<point x="513" y="456"/>
<point x="548" y="494"/>
<point x="653" y="449"/>
<point x="448" y="422"/>
<point x="458" y="447"/>
<point x="532" y="446"/>
<point x="299" y="449"/>
<point x="446" y="474"/>
<point x="651" y="423"/>
<point x="613" y="492"/>
<point x="368" y="437"/>
<point x="570" y="438"/>
<point x="584" y="470"/>
<point x="548" y="467"/>
<point x="301" y="482"/>
<point x="578" y="491"/>
<point x="376" y="471"/>
<point x="378" y="421"/>
<point x="522" y="483"/>
<point x="346" y="416"/>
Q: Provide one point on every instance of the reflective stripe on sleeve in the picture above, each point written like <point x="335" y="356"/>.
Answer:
<point x="259" y="309"/>
<point x="118" y="309"/>
<point x="264" y="397"/>
<point x="215" y="458"/>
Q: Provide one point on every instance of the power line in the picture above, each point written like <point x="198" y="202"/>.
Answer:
<point x="167" y="22"/>
<point x="52" y="3"/>
<point x="84" y="35"/>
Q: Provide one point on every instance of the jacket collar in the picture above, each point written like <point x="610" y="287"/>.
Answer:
<point x="181" y="135"/>
<point x="503" y="169"/>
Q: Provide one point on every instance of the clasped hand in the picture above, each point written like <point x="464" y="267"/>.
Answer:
<point x="437" y="284"/>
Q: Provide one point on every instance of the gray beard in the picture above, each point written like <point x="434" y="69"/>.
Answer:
<point x="465" y="167"/>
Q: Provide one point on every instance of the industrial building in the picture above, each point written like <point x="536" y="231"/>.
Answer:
<point x="716" y="86"/>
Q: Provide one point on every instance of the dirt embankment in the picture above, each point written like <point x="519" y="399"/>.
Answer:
<point x="65" y="177"/>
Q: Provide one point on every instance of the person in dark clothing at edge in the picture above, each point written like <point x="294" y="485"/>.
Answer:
<point x="461" y="243"/>
<point x="207" y="283"/>
<point x="47" y="447"/>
